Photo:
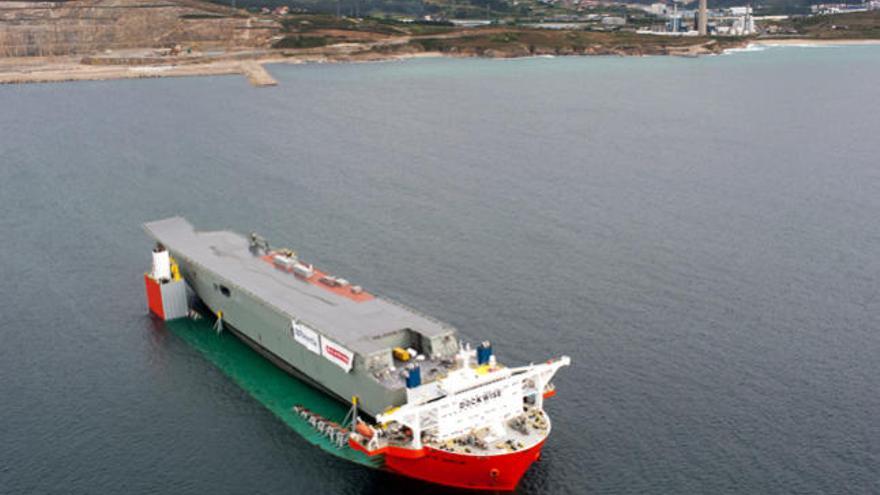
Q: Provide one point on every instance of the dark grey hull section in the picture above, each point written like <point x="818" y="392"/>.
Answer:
<point x="285" y="366"/>
<point x="267" y="330"/>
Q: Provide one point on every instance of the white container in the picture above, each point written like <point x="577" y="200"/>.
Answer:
<point x="284" y="262"/>
<point x="161" y="265"/>
<point x="303" y="270"/>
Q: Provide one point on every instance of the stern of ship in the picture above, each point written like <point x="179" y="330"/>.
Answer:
<point x="494" y="472"/>
<point x="482" y="433"/>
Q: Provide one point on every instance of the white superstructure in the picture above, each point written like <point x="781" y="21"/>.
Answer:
<point x="473" y="398"/>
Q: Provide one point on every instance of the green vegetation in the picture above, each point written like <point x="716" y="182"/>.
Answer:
<point x="857" y="25"/>
<point x="862" y="25"/>
<point x="298" y="41"/>
<point x="505" y="37"/>
<point x="428" y="29"/>
<point x="204" y="16"/>
<point x="450" y="9"/>
<point x="511" y="40"/>
<point x="305" y="23"/>
<point x="377" y="37"/>
<point x="495" y="41"/>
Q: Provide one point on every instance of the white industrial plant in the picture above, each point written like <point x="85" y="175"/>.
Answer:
<point x="680" y="21"/>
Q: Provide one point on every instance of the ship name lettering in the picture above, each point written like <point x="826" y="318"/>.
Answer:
<point x="479" y="399"/>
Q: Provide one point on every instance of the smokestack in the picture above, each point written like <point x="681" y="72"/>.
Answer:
<point x="702" y="26"/>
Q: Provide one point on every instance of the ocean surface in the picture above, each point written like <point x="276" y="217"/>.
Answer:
<point x="701" y="236"/>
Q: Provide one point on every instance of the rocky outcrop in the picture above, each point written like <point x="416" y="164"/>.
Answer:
<point x="88" y="26"/>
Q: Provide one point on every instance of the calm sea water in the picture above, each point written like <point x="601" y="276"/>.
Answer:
<point x="702" y="237"/>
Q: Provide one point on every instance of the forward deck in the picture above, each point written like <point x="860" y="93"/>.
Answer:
<point x="363" y="324"/>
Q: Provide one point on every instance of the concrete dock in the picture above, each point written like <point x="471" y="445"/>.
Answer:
<point x="257" y="74"/>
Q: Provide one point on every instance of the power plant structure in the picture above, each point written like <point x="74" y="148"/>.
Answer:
<point x="702" y="21"/>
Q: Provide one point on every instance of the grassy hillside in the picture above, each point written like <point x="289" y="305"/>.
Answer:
<point x="478" y="8"/>
<point x="859" y="25"/>
<point x="459" y="9"/>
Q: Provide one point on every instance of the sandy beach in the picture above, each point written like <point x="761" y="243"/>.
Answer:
<point x="813" y="42"/>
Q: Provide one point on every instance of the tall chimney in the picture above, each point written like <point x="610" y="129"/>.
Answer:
<point x="702" y="26"/>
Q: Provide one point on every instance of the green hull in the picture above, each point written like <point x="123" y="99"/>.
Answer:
<point x="275" y="389"/>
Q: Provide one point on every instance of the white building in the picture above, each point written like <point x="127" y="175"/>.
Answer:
<point x="740" y="10"/>
<point x="660" y="9"/>
<point x="840" y="8"/>
<point x="613" y="21"/>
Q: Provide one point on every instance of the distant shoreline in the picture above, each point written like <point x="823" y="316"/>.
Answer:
<point x="66" y="69"/>
<point x="69" y="69"/>
<point x="813" y="42"/>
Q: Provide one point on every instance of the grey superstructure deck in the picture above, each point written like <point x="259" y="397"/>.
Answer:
<point x="359" y="326"/>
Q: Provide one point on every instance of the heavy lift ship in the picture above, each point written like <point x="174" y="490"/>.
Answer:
<point x="430" y="406"/>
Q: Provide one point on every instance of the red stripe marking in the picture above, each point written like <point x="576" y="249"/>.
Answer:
<point x="154" y="296"/>
<point x="316" y="280"/>
<point x="336" y="353"/>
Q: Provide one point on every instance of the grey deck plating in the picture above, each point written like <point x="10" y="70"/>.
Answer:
<point x="360" y="326"/>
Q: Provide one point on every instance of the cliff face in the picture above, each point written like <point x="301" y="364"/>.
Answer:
<point x="88" y="26"/>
